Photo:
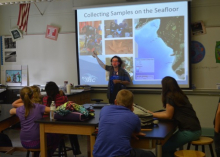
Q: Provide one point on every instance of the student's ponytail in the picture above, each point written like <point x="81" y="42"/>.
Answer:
<point x="26" y="95"/>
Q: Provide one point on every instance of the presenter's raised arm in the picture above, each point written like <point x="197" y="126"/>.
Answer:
<point x="95" y="55"/>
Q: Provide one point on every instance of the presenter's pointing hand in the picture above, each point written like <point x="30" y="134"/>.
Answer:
<point x="94" y="54"/>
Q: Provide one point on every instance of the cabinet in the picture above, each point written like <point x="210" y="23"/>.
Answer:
<point x="80" y="98"/>
<point x="11" y="95"/>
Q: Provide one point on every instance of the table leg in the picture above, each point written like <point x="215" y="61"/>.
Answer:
<point x="43" y="141"/>
<point x="90" y="145"/>
<point x="158" y="149"/>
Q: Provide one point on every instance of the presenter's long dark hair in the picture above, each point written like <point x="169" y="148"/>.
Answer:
<point x="171" y="90"/>
<point x="119" y="60"/>
<point x="52" y="90"/>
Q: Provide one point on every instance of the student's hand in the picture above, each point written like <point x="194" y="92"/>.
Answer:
<point x="94" y="54"/>
<point x="62" y="93"/>
<point x="12" y="111"/>
<point x="150" y="111"/>
<point x="135" y="134"/>
<point x="17" y="103"/>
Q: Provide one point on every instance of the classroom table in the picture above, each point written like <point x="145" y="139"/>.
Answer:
<point x="7" y="120"/>
<point x="67" y="127"/>
<point x="155" y="136"/>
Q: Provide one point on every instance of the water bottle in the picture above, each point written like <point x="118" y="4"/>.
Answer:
<point x="52" y="109"/>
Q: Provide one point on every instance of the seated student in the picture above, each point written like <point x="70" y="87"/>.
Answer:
<point x="53" y="94"/>
<point x="217" y="130"/>
<point x="180" y="109"/>
<point x="28" y="113"/>
<point x="36" y="97"/>
<point x="116" y="126"/>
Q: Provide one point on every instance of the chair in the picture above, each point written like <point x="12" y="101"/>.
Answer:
<point x="36" y="152"/>
<point x="189" y="153"/>
<point x="202" y="141"/>
<point x="11" y="150"/>
<point x="61" y="149"/>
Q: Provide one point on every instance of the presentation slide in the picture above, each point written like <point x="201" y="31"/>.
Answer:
<point x="152" y="40"/>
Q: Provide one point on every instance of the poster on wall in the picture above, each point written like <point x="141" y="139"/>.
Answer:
<point x="217" y="51"/>
<point x="14" y="75"/>
<point x="197" y="52"/>
<point x="9" y="50"/>
<point x="52" y="32"/>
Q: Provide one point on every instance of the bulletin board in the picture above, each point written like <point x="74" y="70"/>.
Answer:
<point x="46" y="59"/>
<point x="206" y="73"/>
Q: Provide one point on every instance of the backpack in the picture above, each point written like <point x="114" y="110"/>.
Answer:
<point x="145" y="117"/>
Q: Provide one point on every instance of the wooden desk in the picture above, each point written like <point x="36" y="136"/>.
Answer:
<point x="156" y="137"/>
<point x="65" y="127"/>
<point x="7" y="120"/>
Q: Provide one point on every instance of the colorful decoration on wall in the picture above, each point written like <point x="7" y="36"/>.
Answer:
<point x="52" y="32"/>
<point x="217" y="52"/>
<point x="197" y="52"/>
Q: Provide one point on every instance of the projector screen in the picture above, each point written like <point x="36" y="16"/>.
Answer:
<point x="151" y="39"/>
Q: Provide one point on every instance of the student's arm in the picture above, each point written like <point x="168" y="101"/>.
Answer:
<point x="99" y="61"/>
<point x="217" y="119"/>
<point x="168" y="114"/>
<point x="135" y="135"/>
<point x="137" y="131"/>
<point x="18" y="103"/>
<point x="61" y="93"/>
<point x="47" y="110"/>
<point x="12" y="111"/>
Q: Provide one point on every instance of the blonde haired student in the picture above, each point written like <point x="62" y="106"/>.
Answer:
<point x="35" y="99"/>
<point x="28" y="113"/>
<point x="117" y="124"/>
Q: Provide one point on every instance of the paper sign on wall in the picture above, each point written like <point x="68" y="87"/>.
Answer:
<point x="52" y="32"/>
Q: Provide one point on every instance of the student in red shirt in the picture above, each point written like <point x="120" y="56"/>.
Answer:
<point x="54" y="94"/>
<point x="58" y="96"/>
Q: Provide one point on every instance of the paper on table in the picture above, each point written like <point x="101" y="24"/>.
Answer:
<point x="76" y="90"/>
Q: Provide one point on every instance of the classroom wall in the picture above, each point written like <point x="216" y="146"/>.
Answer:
<point x="61" y="14"/>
